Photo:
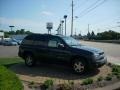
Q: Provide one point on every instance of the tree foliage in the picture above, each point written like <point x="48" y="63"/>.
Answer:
<point x="108" y="35"/>
<point x="91" y="35"/>
<point x="17" y="32"/>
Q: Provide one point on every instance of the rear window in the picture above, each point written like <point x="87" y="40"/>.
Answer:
<point x="28" y="40"/>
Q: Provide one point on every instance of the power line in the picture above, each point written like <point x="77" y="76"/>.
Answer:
<point x="97" y="5"/>
<point x="90" y="6"/>
<point x="83" y="3"/>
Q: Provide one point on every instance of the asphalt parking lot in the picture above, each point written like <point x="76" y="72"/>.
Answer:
<point x="111" y="50"/>
<point x="8" y="51"/>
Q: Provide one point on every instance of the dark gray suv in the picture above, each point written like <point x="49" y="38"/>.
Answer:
<point x="60" y="49"/>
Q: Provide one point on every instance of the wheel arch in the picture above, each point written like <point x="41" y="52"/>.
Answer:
<point x="78" y="57"/>
<point x="25" y="53"/>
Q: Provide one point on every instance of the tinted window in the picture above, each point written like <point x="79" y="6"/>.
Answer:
<point x="53" y="42"/>
<point x="30" y="37"/>
<point x="28" y="40"/>
<point x="40" y="40"/>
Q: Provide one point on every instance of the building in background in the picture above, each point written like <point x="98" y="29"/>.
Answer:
<point x="1" y="36"/>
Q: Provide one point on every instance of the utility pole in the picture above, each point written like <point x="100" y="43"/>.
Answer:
<point x="72" y="20"/>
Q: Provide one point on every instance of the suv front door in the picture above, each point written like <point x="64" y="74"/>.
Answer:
<point x="58" y="52"/>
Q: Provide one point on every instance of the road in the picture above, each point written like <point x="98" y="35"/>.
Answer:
<point x="112" y="50"/>
<point x="8" y="51"/>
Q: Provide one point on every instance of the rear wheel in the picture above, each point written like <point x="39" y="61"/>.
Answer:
<point x="79" y="66"/>
<point x="29" y="60"/>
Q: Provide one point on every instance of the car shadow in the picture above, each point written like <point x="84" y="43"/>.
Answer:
<point x="52" y="71"/>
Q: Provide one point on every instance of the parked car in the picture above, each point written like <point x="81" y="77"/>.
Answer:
<point x="0" y="42"/>
<point x="60" y="49"/>
<point x="18" y="41"/>
<point x="9" y="43"/>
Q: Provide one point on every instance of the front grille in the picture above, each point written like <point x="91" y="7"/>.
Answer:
<point x="101" y="58"/>
<point x="101" y="53"/>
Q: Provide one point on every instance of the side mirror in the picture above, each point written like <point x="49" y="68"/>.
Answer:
<point x="61" y="45"/>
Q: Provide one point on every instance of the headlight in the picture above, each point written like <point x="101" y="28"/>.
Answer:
<point x="96" y="55"/>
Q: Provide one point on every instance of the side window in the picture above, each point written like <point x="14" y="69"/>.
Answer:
<point x="40" y="40"/>
<point x="52" y="43"/>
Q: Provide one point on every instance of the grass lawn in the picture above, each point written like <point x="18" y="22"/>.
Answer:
<point x="10" y="61"/>
<point x="9" y="80"/>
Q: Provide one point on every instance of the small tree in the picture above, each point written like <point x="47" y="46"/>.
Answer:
<point x="88" y="35"/>
<point x="92" y="35"/>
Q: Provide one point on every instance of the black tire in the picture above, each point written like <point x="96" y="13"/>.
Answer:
<point x="29" y="61"/>
<point x="79" y="66"/>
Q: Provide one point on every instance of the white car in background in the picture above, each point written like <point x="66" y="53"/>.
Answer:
<point x="9" y="43"/>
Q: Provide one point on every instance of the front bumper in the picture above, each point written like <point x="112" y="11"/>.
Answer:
<point x="99" y="63"/>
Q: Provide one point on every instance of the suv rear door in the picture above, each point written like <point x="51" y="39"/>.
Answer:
<point x="57" y="54"/>
<point x="41" y="49"/>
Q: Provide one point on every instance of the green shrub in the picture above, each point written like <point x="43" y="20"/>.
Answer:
<point x="115" y="73"/>
<point x="66" y="86"/>
<point x="71" y="82"/>
<point x="109" y="64"/>
<point x="118" y="76"/>
<point x="9" y="80"/>
<point x="116" y="68"/>
<point x="87" y="81"/>
<point x="48" y="83"/>
<point x="32" y="83"/>
<point x="108" y="77"/>
<point x="100" y="78"/>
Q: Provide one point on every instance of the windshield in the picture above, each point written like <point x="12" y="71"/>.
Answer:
<point x="71" y="41"/>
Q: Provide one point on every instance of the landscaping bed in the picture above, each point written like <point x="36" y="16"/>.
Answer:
<point x="85" y="84"/>
<point x="42" y="78"/>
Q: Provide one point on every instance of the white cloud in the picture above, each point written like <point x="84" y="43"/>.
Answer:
<point x="47" y="13"/>
<point x="34" y="26"/>
<point x="23" y="23"/>
<point x="19" y="22"/>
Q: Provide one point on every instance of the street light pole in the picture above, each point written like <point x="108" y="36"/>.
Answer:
<point x="65" y="16"/>
<point x="72" y="21"/>
<point x="62" y="27"/>
<point x="11" y="27"/>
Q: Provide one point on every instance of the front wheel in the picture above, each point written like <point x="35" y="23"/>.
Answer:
<point x="79" y="66"/>
<point x="29" y="61"/>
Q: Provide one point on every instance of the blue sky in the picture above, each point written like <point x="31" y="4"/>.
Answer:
<point x="34" y="14"/>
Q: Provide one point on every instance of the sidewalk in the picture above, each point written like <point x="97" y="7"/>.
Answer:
<point x="113" y="60"/>
<point x="114" y="86"/>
